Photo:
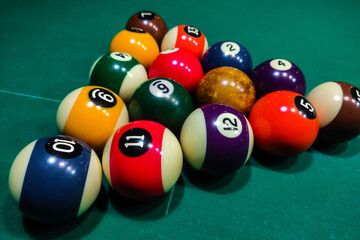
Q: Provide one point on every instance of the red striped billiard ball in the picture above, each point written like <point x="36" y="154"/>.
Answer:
<point x="338" y="107"/>
<point x="186" y="37"/>
<point x="142" y="160"/>
<point x="284" y="123"/>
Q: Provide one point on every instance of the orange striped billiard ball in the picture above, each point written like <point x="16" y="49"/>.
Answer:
<point x="91" y="114"/>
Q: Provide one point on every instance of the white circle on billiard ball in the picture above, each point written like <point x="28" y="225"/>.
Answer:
<point x="228" y="125"/>
<point x="171" y="50"/>
<point x="121" y="56"/>
<point x="161" y="88"/>
<point x="280" y="64"/>
<point x="230" y="48"/>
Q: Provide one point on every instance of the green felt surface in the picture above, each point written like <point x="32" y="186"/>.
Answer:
<point x="47" y="49"/>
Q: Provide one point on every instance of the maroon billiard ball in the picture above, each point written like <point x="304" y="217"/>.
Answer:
<point x="149" y="22"/>
<point x="338" y="107"/>
<point x="179" y="65"/>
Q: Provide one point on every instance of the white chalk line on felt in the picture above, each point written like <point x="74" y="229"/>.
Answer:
<point x="169" y="202"/>
<point x="30" y="96"/>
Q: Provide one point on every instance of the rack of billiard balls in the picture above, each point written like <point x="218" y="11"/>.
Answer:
<point x="158" y="96"/>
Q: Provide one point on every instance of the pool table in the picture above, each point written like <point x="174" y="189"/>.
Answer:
<point x="47" y="49"/>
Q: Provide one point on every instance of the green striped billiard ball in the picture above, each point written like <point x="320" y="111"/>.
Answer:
<point x="161" y="100"/>
<point x="119" y="72"/>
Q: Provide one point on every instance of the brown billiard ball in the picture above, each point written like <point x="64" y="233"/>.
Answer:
<point x="149" y="22"/>
<point x="226" y="85"/>
<point x="338" y="107"/>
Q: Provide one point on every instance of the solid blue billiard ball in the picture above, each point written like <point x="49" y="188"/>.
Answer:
<point x="227" y="54"/>
<point x="55" y="179"/>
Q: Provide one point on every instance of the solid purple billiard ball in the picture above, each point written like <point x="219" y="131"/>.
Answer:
<point x="227" y="54"/>
<point x="216" y="139"/>
<point x="277" y="74"/>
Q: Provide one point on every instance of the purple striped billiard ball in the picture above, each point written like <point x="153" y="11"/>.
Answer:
<point x="216" y="139"/>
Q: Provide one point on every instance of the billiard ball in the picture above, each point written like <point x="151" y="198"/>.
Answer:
<point x="138" y="43"/>
<point x="149" y="22"/>
<point x="227" y="53"/>
<point x="216" y="139"/>
<point x="142" y="160"/>
<point x="119" y="72"/>
<point x="161" y="100"/>
<point x="285" y="123"/>
<point x="91" y="114"/>
<point x="277" y="74"/>
<point x="179" y="65"/>
<point x="338" y="107"/>
<point x="55" y="179"/>
<point x="226" y="85"/>
<point x="186" y="37"/>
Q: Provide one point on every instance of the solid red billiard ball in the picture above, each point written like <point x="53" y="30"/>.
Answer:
<point x="149" y="22"/>
<point x="138" y="43"/>
<point x="338" y="107"/>
<point x="179" y="65"/>
<point x="284" y="123"/>
<point x="55" y="179"/>
<point x="142" y="160"/>
<point x="91" y="114"/>
<point x="186" y="37"/>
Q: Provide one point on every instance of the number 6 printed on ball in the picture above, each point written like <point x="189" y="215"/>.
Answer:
<point x="91" y="114"/>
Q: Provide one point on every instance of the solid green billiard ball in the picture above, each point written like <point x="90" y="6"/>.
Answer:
<point x="161" y="100"/>
<point x="119" y="72"/>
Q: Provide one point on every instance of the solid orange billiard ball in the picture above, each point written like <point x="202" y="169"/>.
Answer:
<point x="138" y="43"/>
<point x="284" y="123"/>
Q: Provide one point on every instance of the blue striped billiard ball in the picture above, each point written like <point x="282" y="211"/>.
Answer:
<point x="55" y="179"/>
